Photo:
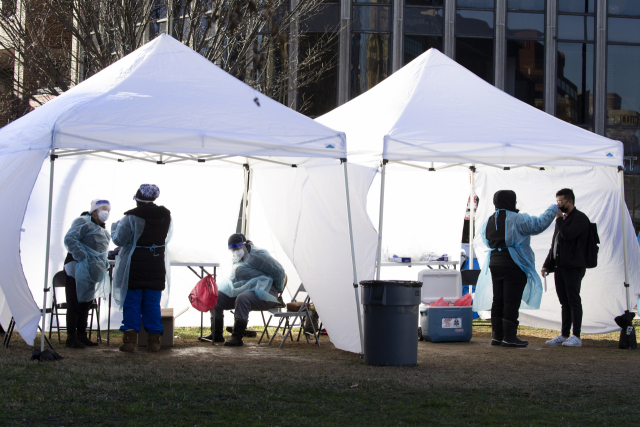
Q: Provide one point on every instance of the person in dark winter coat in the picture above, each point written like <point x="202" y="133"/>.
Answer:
<point x="566" y="259"/>
<point x="85" y="268"/>
<point x="141" y="267"/>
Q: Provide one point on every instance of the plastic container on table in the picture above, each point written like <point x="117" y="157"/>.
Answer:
<point x="438" y="324"/>
<point x="390" y="316"/>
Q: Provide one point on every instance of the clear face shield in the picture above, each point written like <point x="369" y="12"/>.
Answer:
<point x="238" y="251"/>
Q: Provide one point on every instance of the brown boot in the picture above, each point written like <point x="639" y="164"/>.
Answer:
<point x="129" y="340"/>
<point x="153" y="343"/>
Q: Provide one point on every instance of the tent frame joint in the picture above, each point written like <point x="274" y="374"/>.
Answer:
<point x="472" y="168"/>
<point x="53" y="157"/>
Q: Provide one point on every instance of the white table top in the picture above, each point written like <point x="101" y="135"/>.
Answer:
<point x="409" y="264"/>
<point x="185" y="264"/>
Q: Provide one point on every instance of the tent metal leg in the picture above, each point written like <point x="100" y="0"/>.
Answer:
<point x="623" y="218"/>
<point x="353" y="253"/>
<point x="382" y="185"/>
<point x="46" y="265"/>
<point x="244" y="199"/>
<point x="247" y="220"/>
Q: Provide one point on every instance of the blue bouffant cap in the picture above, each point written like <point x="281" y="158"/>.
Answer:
<point x="148" y="192"/>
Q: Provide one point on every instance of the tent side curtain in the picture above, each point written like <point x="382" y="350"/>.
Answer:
<point x="605" y="152"/>
<point x="18" y="174"/>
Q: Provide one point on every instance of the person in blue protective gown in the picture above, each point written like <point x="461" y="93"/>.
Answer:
<point x="254" y="284"/>
<point x="142" y="267"/>
<point x="85" y="266"/>
<point x="508" y="280"/>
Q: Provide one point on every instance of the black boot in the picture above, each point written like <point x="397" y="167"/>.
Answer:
<point x="497" y="334"/>
<point x="82" y="337"/>
<point x="248" y="333"/>
<point x="72" y="340"/>
<point x="218" y="328"/>
<point x="510" y="335"/>
<point x="238" y="331"/>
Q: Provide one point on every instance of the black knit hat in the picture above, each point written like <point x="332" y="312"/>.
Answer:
<point x="236" y="240"/>
<point x="505" y="199"/>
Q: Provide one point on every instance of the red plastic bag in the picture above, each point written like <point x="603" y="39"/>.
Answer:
<point x="465" y="301"/>
<point x="440" y="303"/>
<point x="204" y="295"/>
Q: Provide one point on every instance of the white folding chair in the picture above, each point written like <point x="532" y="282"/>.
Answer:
<point x="290" y="319"/>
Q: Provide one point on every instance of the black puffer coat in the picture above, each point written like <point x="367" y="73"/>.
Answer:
<point x="147" y="269"/>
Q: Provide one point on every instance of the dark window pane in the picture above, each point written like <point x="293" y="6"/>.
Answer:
<point x="326" y="20"/>
<point x="419" y="20"/>
<point x="624" y="30"/>
<point x="474" y="23"/>
<point x="574" y="101"/>
<point x="624" y="7"/>
<point x="372" y="1"/>
<point x="159" y="10"/>
<point x="525" y="71"/>
<point x="424" y="2"/>
<point x="479" y="4"/>
<point x="525" y="25"/>
<point x="415" y="46"/>
<point x="370" y="61"/>
<point x="575" y="27"/>
<point x="525" y="5"/>
<point x="371" y="18"/>
<point x="318" y="53"/>
<point x="623" y="85"/>
<point x="576" y="6"/>
<point x="476" y="55"/>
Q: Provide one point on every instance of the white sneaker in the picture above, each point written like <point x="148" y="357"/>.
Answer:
<point x="559" y="340"/>
<point x="573" y="341"/>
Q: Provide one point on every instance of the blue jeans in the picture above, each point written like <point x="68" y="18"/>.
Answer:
<point x="145" y="302"/>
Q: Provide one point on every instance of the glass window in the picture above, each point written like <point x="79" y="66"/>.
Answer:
<point x="623" y="86"/>
<point x="525" y="5"/>
<point x="476" y="55"/>
<point x="474" y="23"/>
<point x="320" y="96"/>
<point x="624" y="7"/>
<point x="371" y="18"/>
<point x="419" y="20"/>
<point x="424" y="2"/>
<point x="370" y="61"/>
<point x="575" y="27"/>
<point x="477" y="4"/>
<point x="326" y="20"/>
<point x="372" y="1"/>
<point x="624" y="30"/>
<point x="524" y="77"/>
<point x="415" y="46"/>
<point x="574" y="103"/>
<point x="576" y="6"/>
<point x="525" y="25"/>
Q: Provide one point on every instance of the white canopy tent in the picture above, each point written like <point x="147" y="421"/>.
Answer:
<point x="437" y="112"/>
<point x="165" y="104"/>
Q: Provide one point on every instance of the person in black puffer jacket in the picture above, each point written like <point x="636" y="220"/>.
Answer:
<point x="142" y="233"/>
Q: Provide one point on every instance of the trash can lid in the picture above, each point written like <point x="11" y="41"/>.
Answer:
<point x="391" y="283"/>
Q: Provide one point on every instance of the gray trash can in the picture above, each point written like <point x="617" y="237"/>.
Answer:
<point x="390" y="321"/>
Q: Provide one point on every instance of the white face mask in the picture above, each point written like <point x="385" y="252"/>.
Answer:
<point x="103" y="215"/>
<point x="238" y="253"/>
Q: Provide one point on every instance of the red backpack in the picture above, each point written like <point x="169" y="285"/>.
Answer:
<point x="204" y="295"/>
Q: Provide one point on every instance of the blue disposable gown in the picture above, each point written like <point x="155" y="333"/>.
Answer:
<point x="518" y="229"/>
<point x="88" y="243"/>
<point x="255" y="272"/>
<point x="126" y="233"/>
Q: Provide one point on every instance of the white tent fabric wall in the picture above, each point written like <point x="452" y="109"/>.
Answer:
<point x="18" y="172"/>
<point x="597" y="193"/>
<point x="423" y="212"/>
<point x="305" y="208"/>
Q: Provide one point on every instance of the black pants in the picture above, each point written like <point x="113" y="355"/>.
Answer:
<point x="568" y="283"/>
<point x="77" y="312"/>
<point x="508" y="286"/>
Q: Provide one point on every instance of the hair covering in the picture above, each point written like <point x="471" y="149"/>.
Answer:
<point x="236" y="240"/>
<point x="97" y="203"/>
<point x="505" y="199"/>
<point x="147" y="193"/>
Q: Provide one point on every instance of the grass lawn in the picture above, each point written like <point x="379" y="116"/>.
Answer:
<point x="196" y="384"/>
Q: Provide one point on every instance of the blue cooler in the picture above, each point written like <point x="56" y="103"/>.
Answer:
<point x="441" y="324"/>
<point x="446" y="324"/>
